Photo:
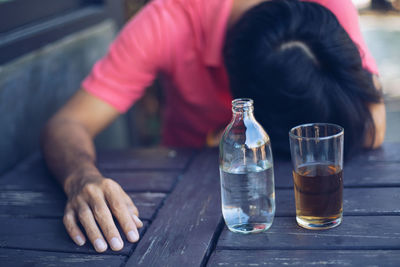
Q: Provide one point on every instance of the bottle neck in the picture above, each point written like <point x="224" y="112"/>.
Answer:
<point x="242" y="109"/>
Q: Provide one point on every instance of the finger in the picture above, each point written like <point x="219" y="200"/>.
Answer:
<point x="134" y="212"/>
<point x="132" y="208"/>
<point x="72" y="227"/>
<point x="92" y="231"/>
<point x="105" y="220"/>
<point x="138" y="222"/>
<point x="123" y="215"/>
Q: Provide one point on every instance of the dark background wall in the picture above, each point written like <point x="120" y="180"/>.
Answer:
<point x="43" y="60"/>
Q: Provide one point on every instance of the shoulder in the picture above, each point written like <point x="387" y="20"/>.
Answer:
<point x="344" y="10"/>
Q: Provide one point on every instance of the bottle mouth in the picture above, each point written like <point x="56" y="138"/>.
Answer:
<point x="242" y="104"/>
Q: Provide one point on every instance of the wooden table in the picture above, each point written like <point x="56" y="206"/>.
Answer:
<point x="178" y="195"/>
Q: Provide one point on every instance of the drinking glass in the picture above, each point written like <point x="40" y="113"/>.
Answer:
<point x="317" y="158"/>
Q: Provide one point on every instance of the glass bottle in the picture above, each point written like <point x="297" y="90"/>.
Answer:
<point x="246" y="172"/>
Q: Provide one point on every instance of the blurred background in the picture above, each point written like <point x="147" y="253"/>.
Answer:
<point x="47" y="47"/>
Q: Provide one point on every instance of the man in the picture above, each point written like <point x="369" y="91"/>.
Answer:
<point x="294" y="58"/>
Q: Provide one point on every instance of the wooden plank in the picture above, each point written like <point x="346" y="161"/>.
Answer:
<point x="30" y="174"/>
<point x="355" y="174"/>
<point x="305" y="258"/>
<point x="355" y="232"/>
<point x="23" y="258"/>
<point x="371" y="174"/>
<point x="388" y="152"/>
<point x="38" y="178"/>
<point x="147" y="203"/>
<point x="145" y="181"/>
<point x="33" y="174"/>
<point x="47" y="234"/>
<point x="31" y="203"/>
<point x="148" y="159"/>
<point x="356" y="201"/>
<point x="183" y="231"/>
<point x="51" y="204"/>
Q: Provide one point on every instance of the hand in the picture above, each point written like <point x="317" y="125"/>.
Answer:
<point x="93" y="198"/>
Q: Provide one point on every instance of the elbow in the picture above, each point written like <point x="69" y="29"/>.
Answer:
<point x="53" y="127"/>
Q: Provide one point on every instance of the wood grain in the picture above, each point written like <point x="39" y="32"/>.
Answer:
<point x="51" y="204"/>
<point x="145" y="159"/>
<point x="189" y="220"/>
<point x="24" y="258"/>
<point x="48" y="235"/>
<point x="356" y="201"/>
<point x="145" y="181"/>
<point x="33" y="174"/>
<point x="183" y="231"/>
<point x="388" y="152"/>
<point x="355" y="232"/>
<point x="305" y="258"/>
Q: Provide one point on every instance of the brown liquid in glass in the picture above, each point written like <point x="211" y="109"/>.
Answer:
<point x="319" y="192"/>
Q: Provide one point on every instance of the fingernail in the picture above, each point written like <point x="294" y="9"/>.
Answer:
<point x="79" y="240"/>
<point x="137" y="220"/>
<point x="115" y="243"/>
<point x="133" y="236"/>
<point x="100" y="245"/>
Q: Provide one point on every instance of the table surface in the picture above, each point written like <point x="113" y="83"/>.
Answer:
<point x="178" y="195"/>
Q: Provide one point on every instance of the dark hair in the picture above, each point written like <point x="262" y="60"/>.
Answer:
<point x="299" y="65"/>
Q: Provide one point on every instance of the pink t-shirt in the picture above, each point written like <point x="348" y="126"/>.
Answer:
<point x="182" y="41"/>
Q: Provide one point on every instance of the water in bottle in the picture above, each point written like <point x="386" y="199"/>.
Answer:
<point x="248" y="200"/>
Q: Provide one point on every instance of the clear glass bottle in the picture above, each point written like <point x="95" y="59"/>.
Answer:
<point x="246" y="172"/>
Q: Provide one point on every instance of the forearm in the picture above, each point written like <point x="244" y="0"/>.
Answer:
<point x="68" y="149"/>
<point x="378" y="114"/>
<point x="93" y="200"/>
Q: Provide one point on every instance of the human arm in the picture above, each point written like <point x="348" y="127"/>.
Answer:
<point x="70" y="154"/>
<point x="140" y="51"/>
<point x="378" y="114"/>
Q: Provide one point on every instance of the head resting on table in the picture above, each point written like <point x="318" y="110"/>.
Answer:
<point x="299" y="65"/>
